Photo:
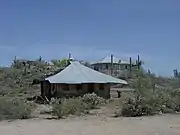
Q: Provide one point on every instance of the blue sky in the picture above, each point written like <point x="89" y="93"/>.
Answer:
<point x="91" y="29"/>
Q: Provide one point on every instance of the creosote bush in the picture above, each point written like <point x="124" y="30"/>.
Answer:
<point x="148" y="99"/>
<point x="137" y="106"/>
<point x="76" y="106"/>
<point x="14" y="108"/>
<point x="73" y="106"/>
<point x="93" y="100"/>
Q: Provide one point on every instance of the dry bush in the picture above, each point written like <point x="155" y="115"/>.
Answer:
<point x="137" y="106"/>
<point x="18" y="79"/>
<point x="71" y="106"/>
<point x="148" y="99"/>
<point x="14" y="108"/>
<point x="76" y="106"/>
<point x="153" y="103"/>
<point x="93" y="100"/>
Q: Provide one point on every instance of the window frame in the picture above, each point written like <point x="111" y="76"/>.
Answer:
<point x="101" y="86"/>
<point x="65" y="87"/>
<point x="78" y="87"/>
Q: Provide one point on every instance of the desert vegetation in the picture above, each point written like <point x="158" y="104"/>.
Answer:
<point x="77" y="106"/>
<point x="152" y="95"/>
<point x="15" y="108"/>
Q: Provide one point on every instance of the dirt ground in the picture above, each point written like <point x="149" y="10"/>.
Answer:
<point x="95" y="125"/>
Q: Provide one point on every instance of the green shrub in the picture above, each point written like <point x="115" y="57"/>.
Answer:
<point x="149" y="99"/>
<point x="73" y="106"/>
<point x="55" y="101"/>
<point x="93" y="100"/>
<point x="14" y="108"/>
<point x="138" y="106"/>
<point x="76" y="106"/>
<point x="153" y="103"/>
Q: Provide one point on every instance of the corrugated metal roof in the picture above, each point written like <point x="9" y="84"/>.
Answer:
<point x="77" y="73"/>
<point x="107" y="59"/>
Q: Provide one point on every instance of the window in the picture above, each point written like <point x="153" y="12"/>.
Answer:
<point x="78" y="87"/>
<point x="107" y="66"/>
<point x="53" y="87"/>
<point x="65" y="87"/>
<point x="54" y="90"/>
<point x="116" y="67"/>
<point x="103" y="67"/>
<point x="101" y="86"/>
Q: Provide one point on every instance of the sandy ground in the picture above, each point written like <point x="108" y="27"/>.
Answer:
<point x="94" y="125"/>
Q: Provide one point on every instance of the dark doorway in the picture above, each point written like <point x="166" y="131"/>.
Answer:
<point x="90" y="88"/>
<point x="46" y="89"/>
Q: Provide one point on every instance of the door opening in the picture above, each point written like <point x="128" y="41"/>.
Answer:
<point x="90" y="88"/>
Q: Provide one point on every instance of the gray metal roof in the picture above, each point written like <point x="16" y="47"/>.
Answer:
<point x="107" y="59"/>
<point x="77" y="73"/>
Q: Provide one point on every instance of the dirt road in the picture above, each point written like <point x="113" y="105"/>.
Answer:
<point x="93" y="125"/>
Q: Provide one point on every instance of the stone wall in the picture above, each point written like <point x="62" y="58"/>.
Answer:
<point x="105" y="92"/>
<point x="65" y="90"/>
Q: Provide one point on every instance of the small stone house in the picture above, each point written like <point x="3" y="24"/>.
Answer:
<point x="111" y="65"/>
<point x="77" y="80"/>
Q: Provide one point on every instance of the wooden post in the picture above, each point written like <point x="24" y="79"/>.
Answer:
<point x="111" y="64"/>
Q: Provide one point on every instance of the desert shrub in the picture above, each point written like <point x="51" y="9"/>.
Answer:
<point x="93" y="100"/>
<point x="73" y="106"/>
<point x="174" y="101"/>
<point x="14" y="108"/>
<point x="76" y="106"/>
<point x="55" y="101"/>
<point x="138" y="106"/>
<point x="149" y="99"/>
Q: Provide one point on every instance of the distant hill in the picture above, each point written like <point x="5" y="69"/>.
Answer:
<point x="22" y="78"/>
